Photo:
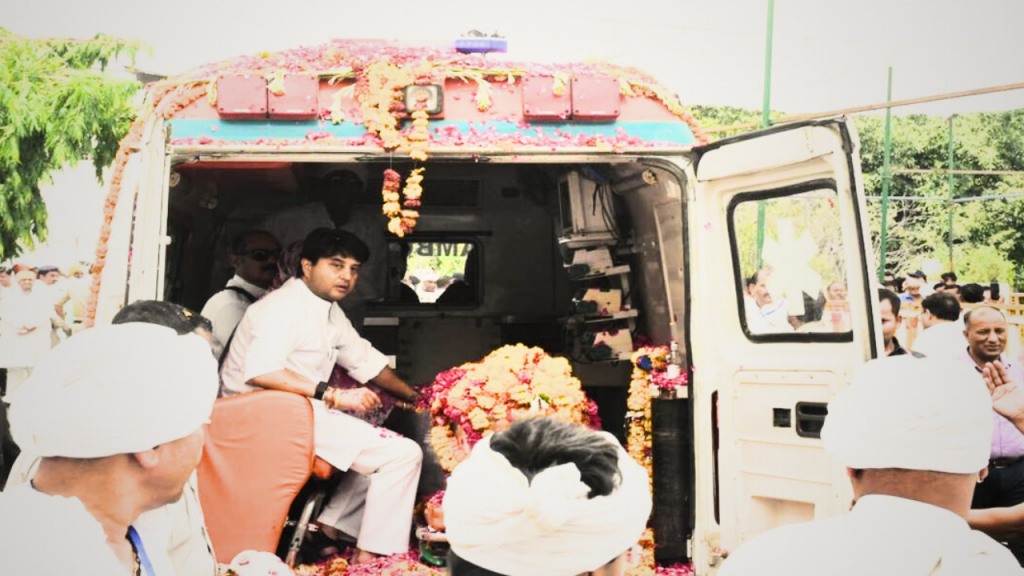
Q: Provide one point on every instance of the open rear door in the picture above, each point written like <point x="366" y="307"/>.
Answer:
<point x="785" y="209"/>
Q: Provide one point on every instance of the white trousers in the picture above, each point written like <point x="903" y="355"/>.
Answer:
<point x="374" y="500"/>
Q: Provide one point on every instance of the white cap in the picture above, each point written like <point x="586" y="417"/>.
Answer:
<point x="115" y="390"/>
<point x="915" y="414"/>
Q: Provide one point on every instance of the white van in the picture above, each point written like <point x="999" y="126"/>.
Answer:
<point x="535" y="201"/>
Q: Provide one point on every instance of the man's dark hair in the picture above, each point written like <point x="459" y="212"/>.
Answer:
<point x="535" y="444"/>
<point x="241" y="241"/>
<point x="328" y="243"/>
<point x="972" y="293"/>
<point x="174" y="316"/>
<point x="952" y="287"/>
<point x="942" y="305"/>
<point x="897" y="282"/>
<point x="939" y="286"/>
<point x="947" y="276"/>
<point x="894" y="300"/>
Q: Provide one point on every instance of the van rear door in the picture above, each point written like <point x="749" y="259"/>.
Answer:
<point x="785" y="208"/>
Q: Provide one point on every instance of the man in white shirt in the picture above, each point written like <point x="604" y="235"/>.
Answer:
<point x="25" y="315"/>
<point x="764" y="314"/>
<point x="914" y="436"/>
<point x="334" y="205"/>
<point x="291" y="341"/>
<point x="943" y="335"/>
<point x="111" y="450"/>
<point x="254" y="256"/>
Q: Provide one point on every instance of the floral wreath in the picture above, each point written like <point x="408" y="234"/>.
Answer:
<point x="512" y="382"/>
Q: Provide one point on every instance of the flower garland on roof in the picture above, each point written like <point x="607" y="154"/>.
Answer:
<point x="512" y="382"/>
<point x="165" y="104"/>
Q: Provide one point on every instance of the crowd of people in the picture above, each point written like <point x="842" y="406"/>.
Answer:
<point x="39" y="308"/>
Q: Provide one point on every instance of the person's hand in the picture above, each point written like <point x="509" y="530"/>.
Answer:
<point x="358" y="400"/>
<point x="1007" y="396"/>
<point x="25" y="330"/>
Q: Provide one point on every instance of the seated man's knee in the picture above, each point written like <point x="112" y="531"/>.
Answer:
<point x="411" y="451"/>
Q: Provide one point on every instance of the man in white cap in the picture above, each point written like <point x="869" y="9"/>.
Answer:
<point x="914" y="436"/>
<point x="545" y="497"/>
<point x="116" y="414"/>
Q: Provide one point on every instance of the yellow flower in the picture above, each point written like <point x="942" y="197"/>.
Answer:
<point x="478" y="418"/>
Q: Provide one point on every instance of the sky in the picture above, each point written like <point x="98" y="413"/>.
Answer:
<point x="826" y="54"/>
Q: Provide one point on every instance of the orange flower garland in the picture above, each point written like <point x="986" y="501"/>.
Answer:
<point x="164" y="103"/>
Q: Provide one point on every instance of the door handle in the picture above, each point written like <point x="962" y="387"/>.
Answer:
<point x="810" y="417"/>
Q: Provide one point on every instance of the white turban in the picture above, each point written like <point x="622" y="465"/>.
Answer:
<point x="915" y="414"/>
<point x="497" y="519"/>
<point x="116" y="389"/>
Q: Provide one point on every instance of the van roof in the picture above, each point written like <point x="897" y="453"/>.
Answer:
<point x="487" y="103"/>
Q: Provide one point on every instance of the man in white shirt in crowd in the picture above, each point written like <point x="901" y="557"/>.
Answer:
<point x="254" y="257"/>
<point x="914" y="436"/>
<point x="763" y="313"/>
<point x="291" y="341"/>
<point x="25" y="315"/>
<point x="943" y="335"/>
<point x="111" y="449"/>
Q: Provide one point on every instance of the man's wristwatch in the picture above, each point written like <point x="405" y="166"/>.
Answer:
<point x="321" y="389"/>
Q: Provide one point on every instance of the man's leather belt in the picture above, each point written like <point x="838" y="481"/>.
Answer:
<point x="1005" y="462"/>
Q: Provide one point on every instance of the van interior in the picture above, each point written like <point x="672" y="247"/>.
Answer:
<point x="569" y="258"/>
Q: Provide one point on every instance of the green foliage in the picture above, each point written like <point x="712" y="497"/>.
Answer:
<point x="57" y="107"/>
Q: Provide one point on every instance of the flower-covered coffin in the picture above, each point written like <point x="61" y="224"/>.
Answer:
<point x="512" y="382"/>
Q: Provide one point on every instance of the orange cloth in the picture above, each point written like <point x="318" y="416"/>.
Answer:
<point x="258" y="455"/>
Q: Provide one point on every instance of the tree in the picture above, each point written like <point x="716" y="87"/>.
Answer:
<point x="57" y="107"/>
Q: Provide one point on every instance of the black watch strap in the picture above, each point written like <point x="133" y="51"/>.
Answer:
<point x="321" y="389"/>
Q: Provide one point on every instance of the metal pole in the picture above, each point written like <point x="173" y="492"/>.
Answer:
<point x="952" y="189"/>
<point x="886" y="177"/>
<point x="766" y="107"/>
<point x="766" y="120"/>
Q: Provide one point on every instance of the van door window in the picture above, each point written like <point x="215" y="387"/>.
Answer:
<point x="791" y="266"/>
<point x="443" y="273"/>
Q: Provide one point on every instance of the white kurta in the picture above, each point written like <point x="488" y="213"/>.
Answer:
<point x="46" y="535"/>
<point x="19" y="310"/>
<point x="226" y="308"/>
<point x="881" y="536"/>
<point x="942" y="340"/>
<point x="295" y="329"/>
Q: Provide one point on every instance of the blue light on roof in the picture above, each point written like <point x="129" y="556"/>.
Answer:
<point x="481" y="45"/>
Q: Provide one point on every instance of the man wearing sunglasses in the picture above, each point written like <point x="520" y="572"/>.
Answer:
<point x="254" y="257"/>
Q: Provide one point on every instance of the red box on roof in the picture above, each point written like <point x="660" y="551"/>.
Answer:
<point x="540" y="103"/>
<point x="596" y="98"/>
<point x="242" y="96"/>
<point x="299" y="100"/>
